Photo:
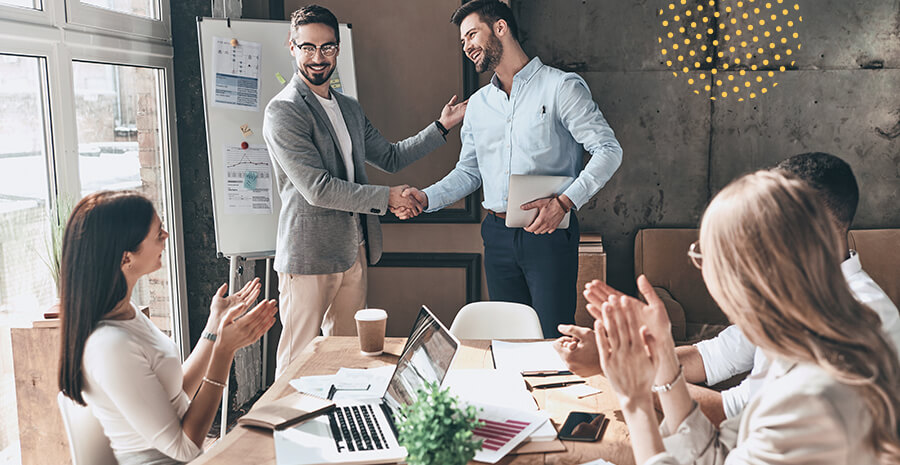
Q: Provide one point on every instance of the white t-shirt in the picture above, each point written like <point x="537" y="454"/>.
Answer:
<point x="730" y="353"/>
<point x="134" y="384"/>
<point x="340" y="129"/>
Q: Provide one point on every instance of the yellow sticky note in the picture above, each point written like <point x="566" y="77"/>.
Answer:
<point x="280" y="78"/>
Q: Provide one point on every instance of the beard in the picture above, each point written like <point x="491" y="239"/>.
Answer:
<point x="490" y="55"/>
<point x="319" y="78"/>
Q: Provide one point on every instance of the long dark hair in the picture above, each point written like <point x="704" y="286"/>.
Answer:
<point x="102" y="227"/>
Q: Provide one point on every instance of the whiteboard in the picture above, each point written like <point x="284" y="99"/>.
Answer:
<point x="240" y="233"/>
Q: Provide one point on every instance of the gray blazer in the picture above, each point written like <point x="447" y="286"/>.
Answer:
<point x="317" y="229"/>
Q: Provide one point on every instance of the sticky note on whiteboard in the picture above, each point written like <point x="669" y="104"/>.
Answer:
<point x="250" y="180"/>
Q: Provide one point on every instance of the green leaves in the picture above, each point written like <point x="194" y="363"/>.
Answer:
<point x="436" y="430"/>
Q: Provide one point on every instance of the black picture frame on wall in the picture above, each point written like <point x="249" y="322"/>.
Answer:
<point x="471" y="210"/>
<point x="471" y="262"/>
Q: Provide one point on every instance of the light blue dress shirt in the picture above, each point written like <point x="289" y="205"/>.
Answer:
<point x="540" y="128"/>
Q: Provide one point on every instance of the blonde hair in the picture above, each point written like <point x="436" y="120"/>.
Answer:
<point x="771" y="260"/>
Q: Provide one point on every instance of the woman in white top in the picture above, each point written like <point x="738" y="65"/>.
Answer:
<point x="769" y="258"/>
<point x="154" y="409"/>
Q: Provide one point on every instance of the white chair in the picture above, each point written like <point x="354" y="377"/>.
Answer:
<point x="496" y="320"/>
<point x="87" y="443"/>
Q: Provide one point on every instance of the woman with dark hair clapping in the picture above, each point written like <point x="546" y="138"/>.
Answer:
<point x="153" y="408"/>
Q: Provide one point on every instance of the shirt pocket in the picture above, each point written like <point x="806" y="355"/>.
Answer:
<point x="533" y="134"/>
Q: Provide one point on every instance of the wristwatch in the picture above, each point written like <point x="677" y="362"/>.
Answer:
<point x="444" y="131"/>
<point x="208" y="335"/>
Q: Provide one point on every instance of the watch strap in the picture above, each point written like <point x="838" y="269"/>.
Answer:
<point x="444" y="131"/>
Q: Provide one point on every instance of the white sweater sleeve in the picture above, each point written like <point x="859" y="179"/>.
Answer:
<point x="124" y="374"/>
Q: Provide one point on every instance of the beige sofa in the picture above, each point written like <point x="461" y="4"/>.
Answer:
<point x="661" y="254"/>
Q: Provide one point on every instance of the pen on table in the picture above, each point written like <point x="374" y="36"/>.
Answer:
<point x="556" y="385"/>
<point x="546" y="373"/>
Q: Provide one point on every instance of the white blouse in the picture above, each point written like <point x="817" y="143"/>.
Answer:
<point x="133" y="383"/>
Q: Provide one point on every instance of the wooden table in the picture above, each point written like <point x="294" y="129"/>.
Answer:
<point x="325" y="355"/>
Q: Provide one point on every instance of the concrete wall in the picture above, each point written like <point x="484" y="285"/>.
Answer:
<point x="841" y="96"/>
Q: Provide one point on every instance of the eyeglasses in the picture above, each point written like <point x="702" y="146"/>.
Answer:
<point x="309" y="50"/>
<point x="694" y="253"/>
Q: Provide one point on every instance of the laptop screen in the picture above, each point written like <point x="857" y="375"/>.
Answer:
<point x="427" y="356"/>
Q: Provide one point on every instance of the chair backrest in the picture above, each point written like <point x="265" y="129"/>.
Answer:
<point x="87" y="443"/>
<point x="879" y="253"/>
<point x="661" y="255"/>
<point x="496" y="320"/>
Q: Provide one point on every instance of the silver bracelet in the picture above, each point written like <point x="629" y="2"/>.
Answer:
<point x="214" y="383"/>
<point x="208" y="335"/>
<point x="668" y="386"/>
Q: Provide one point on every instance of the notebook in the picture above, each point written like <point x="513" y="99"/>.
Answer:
<point x="287" y="411"/>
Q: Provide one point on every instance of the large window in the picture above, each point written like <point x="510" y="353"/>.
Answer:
<point x="26" y="250"/>
<point x="83" y="108"/>
<point x="117" y="111"/>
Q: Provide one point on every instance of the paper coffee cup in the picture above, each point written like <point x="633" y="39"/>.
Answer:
<point x="370" y="325"/>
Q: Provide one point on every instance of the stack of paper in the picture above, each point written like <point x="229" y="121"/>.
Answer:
<point x="347" y="383"/>
<point x="527" y="356"/>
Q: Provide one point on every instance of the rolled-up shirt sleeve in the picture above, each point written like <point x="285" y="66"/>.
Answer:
<point x="726" y="355"/>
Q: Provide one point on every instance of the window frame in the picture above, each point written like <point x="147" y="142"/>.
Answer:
<point x="49" y="10"/>
<point x="47" y="35"/>
<point x="93" y="17"/>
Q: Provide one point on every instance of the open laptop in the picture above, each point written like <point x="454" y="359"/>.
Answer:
<point x="524" y="188"/>
<point x="363" y="432"/>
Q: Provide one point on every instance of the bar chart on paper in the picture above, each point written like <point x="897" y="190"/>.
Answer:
<point x="503" y="429"/>
<point x="497" y="434"/>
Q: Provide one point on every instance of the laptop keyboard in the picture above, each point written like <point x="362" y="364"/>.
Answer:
<point x="355" y="428"/>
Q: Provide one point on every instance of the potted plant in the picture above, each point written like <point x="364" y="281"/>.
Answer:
<point x="437" y="430"/>
<point x="57" y="220"/>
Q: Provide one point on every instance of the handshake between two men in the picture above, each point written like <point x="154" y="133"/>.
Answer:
<point x="407" y="202"/>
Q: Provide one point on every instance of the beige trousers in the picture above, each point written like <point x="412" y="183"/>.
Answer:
<point x="312" y="301"/>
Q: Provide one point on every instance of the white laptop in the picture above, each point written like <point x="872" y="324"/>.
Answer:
<point x="524" y="188"/>
<point x="363" y="432"/>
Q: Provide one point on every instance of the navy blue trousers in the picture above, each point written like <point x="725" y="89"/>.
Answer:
<point x="536" y="270"/>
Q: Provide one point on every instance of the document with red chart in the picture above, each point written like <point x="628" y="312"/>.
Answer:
<point x="503" y="429"/>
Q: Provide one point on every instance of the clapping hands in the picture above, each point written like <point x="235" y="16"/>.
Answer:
<point x="634" y="339"/>
<point x="221" y="303"/>
<point x="240" y="328"/>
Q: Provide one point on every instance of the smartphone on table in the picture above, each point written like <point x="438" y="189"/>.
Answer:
<point x="583" y="426"/>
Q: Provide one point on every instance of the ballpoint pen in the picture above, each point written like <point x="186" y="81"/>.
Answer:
<point x="546" y="373"/>
<point x="557" y="385"/>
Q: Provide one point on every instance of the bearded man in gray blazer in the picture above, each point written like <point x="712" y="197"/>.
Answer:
<point x="328" y="227"/>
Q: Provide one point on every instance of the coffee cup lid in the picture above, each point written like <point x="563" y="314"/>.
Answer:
<point x="371" y="314"/>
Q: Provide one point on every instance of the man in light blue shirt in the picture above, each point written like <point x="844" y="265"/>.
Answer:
<point x="531" y="119"/>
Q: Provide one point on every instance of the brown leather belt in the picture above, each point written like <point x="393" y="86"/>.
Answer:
<point x="501" y="215"/>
